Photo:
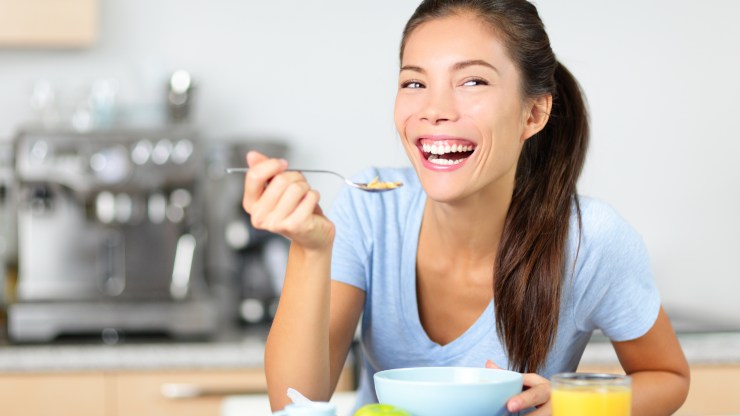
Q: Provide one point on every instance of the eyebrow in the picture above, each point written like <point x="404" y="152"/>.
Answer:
<point x="473" y="62"/>
<point x="456" y="67"/>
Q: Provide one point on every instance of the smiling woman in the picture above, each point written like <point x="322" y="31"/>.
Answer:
<point x="486" y="256"/>
<point x="475" y="93"/>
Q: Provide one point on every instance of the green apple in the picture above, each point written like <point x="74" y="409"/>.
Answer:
<point x="381" y="410"/>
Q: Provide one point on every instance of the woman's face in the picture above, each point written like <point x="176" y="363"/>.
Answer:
<point x="459" y="109"/>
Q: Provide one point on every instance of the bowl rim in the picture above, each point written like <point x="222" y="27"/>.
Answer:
<point x="514" y="376"/>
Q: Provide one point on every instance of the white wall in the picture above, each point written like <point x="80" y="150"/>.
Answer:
<point x="663" y="82"/>
<point x="661" y="77"/>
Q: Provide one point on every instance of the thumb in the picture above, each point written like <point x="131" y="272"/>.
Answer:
<point x="491" y="364"/>
<point x="254" y="157"/>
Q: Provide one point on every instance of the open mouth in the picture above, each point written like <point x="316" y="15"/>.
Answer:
<point x="446" y="152"/>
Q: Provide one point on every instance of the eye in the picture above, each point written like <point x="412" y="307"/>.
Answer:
<point x="412" y="84"/>
<point x="474" y="82"/>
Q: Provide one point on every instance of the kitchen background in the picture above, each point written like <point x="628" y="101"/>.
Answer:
<point x="320" y="77"/>
<point x="660" y="76"/>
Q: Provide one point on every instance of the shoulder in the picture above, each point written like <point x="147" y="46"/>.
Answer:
<point x="614" y="288"/>
<point x="602" y="224"/>
<point x="598" y="214"/>
<point x="607" y="248"/>
<point x="605" y="243"/>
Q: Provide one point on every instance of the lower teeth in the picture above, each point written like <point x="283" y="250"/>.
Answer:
<point x="446" y="162"/>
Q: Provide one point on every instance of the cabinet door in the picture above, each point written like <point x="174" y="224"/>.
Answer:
<point x="182" y="393"/>
<point x="713" y="391"/>
<point x="190" y="393"/>
<point x="44" y="23"/>
<point x="53" y="394"/>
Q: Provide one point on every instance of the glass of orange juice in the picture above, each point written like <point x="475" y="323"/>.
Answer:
<point x="586" y="394"/>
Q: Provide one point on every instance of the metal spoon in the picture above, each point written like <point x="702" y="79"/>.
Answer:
<point x="367" y="187"/>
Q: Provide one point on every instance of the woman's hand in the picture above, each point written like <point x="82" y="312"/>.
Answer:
<point x="536" y="394"/>
<point x="283" y="202"/>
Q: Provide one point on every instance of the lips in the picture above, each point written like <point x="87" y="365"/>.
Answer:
<point x="445" y="152"/>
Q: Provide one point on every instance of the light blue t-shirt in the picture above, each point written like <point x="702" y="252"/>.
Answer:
<point x="375" y="250"/>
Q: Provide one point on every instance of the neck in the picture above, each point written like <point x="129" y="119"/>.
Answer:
<point x="469" y="229"/>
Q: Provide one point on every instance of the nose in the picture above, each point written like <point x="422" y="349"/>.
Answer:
<point x="439" y="107"/>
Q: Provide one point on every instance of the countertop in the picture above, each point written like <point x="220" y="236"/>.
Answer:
<point x="245" y="350"/>
<point x="700" y="348"/>
<point x="232" y="350"/>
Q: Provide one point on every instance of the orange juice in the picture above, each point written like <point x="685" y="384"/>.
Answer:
<point x="589" y="394"/>
<point x="587" y="401"/>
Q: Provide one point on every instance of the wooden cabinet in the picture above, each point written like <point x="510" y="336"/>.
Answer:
<point x="134" y="393"/>
<point x="714" y="388"/>
<point x="714" y="391"/>
<point x="54" y="394"/>
<point x="142" y="394"/>
<point x="183" y="393"/>
<point x="48" y="23"/>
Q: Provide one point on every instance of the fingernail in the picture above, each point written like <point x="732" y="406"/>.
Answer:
<point x="284" y="162"/>
<point x="514" y="405"/>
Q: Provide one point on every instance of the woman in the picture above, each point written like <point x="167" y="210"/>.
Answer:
<point x="486" y="256"/>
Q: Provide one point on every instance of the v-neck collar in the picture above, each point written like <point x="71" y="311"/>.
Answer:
<point x="409" y="300"/>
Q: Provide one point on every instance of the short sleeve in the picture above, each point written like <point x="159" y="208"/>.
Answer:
<point x="615" y="287"/>
<point x="351" y="243"/>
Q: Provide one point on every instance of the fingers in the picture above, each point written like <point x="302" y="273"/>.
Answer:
<point x="283" y="202"/>
<point x="261" y="171"/>
<point x="278" y="200"/>
<point x="305" y="209"/>
<point x="544" y="410"/>
<point x="254" y="157"/>
<point x="536" y="395"/>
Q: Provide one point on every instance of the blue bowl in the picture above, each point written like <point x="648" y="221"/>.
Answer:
<point x="448" y="391"/>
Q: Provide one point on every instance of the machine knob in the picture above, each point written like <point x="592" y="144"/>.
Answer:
<point x="162" y="152"/>
<point x="111" y="164"/>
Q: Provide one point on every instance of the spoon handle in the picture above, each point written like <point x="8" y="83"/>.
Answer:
<point x="243" y="170"/>
<point x="297" y="397"/>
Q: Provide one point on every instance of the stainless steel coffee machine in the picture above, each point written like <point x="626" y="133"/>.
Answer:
<point x="247" y="264"/>
<point x="110" y="235"/>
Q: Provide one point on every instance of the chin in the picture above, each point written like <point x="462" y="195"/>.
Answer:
<point x="440" y="190"/>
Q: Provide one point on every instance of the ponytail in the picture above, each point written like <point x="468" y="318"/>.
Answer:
<point x="530" y="263"/>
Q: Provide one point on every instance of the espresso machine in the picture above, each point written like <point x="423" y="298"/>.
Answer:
<point x="110" y="235"/>
<point x="245" y="264"/>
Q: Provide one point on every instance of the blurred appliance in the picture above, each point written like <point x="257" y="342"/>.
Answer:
<point x="7" y="224"/>
<point x="179" y="96"/>
<point x="249" y="264"/>
<point x="110" y="235"/>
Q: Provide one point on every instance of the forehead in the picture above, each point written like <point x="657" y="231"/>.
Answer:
<point x="454" y="38"/>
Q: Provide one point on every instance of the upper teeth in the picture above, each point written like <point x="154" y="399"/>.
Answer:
<point x="440" y="149"/>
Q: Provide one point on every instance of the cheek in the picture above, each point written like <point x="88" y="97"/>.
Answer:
<point x="401" y="112"/>
<point x="497" y="116"/>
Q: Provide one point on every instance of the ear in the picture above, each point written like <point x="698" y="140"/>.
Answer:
<point x="537" y="114"/>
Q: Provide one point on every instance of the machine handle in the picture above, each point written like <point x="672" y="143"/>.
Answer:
<point x="183" y="265"/>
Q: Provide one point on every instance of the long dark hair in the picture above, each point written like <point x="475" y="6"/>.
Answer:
<point x="530" y="263"/>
